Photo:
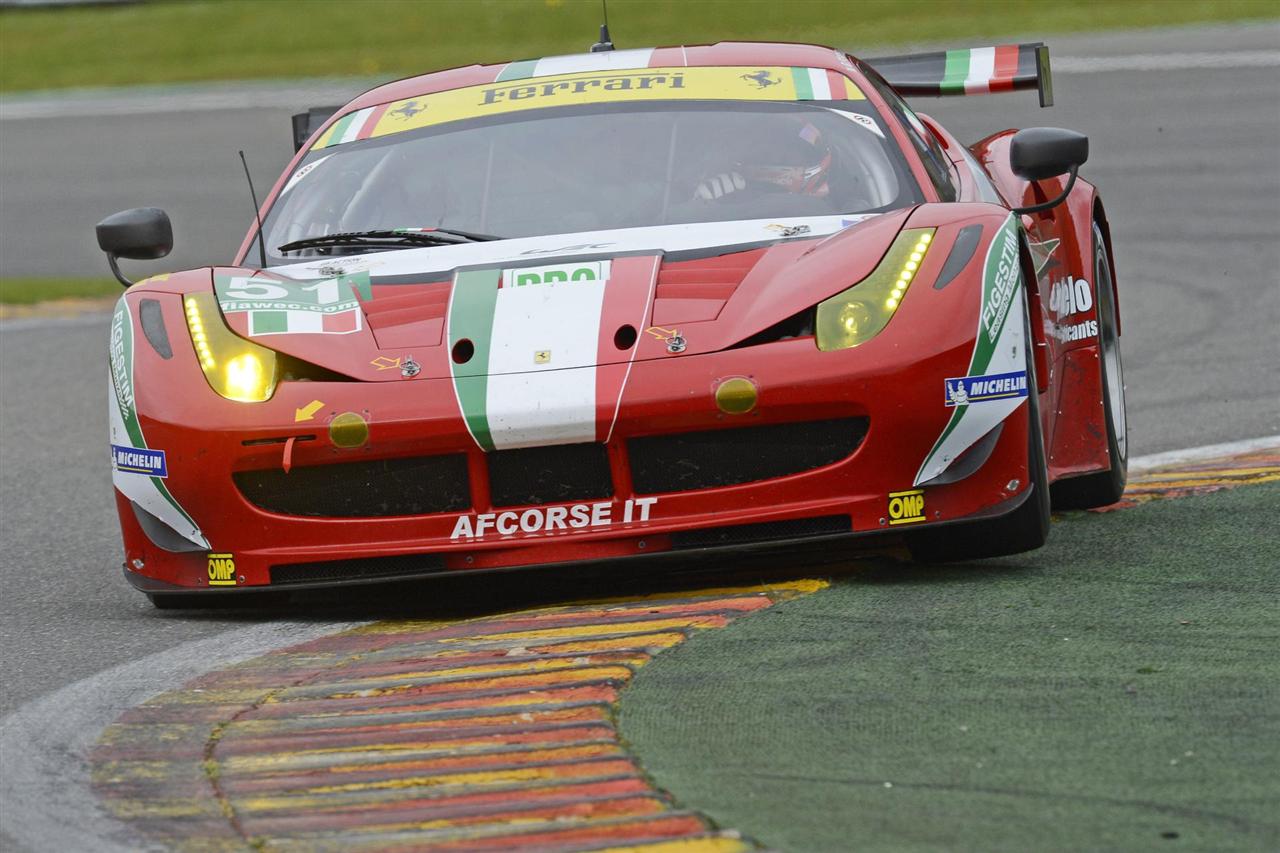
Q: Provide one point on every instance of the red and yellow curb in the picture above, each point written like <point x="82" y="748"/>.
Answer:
<point x="485" y="734"/>
<point x="1181" y="479"/>
<point x="491" y="733"/>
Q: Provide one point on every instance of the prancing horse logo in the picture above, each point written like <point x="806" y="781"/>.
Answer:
<point x="408" y="110"/>
<point x="762" y="79"/>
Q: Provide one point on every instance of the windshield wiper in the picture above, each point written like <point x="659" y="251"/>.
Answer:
<point x="390" y="238"/>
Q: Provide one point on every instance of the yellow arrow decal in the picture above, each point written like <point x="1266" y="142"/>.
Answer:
<point x="307" y="412"/>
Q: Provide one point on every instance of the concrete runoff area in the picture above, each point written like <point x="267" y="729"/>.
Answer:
<point x="1117" y="690"/>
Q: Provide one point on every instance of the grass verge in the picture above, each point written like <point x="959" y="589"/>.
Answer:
<point x="28" y="291"/>
<point x="1117" y="690"/>
<point x="199" y="40"/>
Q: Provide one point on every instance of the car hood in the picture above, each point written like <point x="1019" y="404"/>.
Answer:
<point x="551" y="302"/>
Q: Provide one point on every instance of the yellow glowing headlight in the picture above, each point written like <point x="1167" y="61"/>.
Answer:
<point x="858" y="314"/>
<point x="237" y="369"/>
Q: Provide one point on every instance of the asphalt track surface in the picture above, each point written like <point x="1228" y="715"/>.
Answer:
<point x="1187" y="160"/>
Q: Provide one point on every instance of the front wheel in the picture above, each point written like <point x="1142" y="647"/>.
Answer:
<point x="1104" y="487"/>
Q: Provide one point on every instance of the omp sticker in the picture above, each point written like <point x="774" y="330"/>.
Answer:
<point x="477" y="526"/>
<point x="133" y="460"/>
<point x="999" y="350"/>
<point x="125" y="430"/>
<point x="222" y="570"/>
<point x="555" y="274"/>
<point x="258" y="305"/>
<point x="906" y="507"/>
<point x="738" y="83"/>
<point x="964" y="390"/>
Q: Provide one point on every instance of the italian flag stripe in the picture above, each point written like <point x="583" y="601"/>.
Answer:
<point x="837" y="84"/>
<point x="371" y="121"/>
<point x="471" y="304"/>
<point x="1006" y="68"/>
<point x="301" y="322"/>
<point x="957" y="69"/>
<point x="627" y="300"/>
<point x="334" y="134"/>
<point x="982" y="67"/>
<point x="804" y="89"/>
<point x="546" y="369"/>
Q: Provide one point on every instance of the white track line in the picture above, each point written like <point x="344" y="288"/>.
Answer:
<point x="1199" y="454"/>
<point x="46" y="802"/>
<point x="295" y="95"/>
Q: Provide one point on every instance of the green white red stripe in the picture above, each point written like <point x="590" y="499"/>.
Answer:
<point x="544" y="368"/>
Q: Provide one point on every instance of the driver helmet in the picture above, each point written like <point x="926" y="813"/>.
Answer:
<point x="799" y="164"/>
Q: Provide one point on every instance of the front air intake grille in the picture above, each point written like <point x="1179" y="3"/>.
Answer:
<point x="547" y="475"/>
<point x="765" y="531"/>
<point x="727" y="457"/>
<point x="366" y="568"/>
<point x="368" y="489"/>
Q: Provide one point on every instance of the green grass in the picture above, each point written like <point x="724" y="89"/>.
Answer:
<point x="166" y="42"/>
<point x="1117" y="690"/>
<point x="27" y="291"/>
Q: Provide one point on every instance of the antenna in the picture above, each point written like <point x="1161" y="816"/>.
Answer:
<point x="605" y="43"/>
<point x="257" y="214"/>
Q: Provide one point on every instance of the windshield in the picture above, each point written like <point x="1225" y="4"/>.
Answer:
<point x="600" y="167"/>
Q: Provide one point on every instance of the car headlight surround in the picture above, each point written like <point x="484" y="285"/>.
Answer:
<point x="856" y="315"/>
<point x="237" y="369"/>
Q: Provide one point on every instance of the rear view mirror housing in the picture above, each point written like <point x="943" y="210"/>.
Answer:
<point x="142" y="233"/>
<point x="1037" y="153"/>
<point x="1040" y="153"/>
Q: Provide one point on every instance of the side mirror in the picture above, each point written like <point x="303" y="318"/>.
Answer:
<point x="143" y="233"/>
<point x="1039" y="153"/>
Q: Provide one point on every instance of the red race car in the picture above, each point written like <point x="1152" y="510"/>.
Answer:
<point x="620" y="304"/>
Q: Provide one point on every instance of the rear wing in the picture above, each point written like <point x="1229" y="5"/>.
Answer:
<point x="971" y="71"/>
<point x="305" y="124"/>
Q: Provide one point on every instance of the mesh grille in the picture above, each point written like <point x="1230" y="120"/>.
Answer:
<point x="382" y="487"/>
<point x="545" y="475"/>
<point x="366" y="568"/>
<point x="763" y="532"/>
<point x="726" y="457"/>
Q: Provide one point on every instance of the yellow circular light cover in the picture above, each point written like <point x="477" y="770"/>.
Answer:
<point x="736" y="396"/>
<point x="348" y="430"/>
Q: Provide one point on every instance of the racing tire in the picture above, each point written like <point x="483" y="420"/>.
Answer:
<point x="1024" y="529"/>
<point x="1104" y="487"/>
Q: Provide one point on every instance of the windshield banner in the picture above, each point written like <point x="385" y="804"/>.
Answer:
<point x="726" y="83"/>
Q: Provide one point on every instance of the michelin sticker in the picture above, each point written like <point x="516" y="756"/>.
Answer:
<point x="477" y="526"/>
<point x="138" y="470"/>
<point x="997" y="376"/>
<point x="132" y="460"/>
<point x="964" y="390"/>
